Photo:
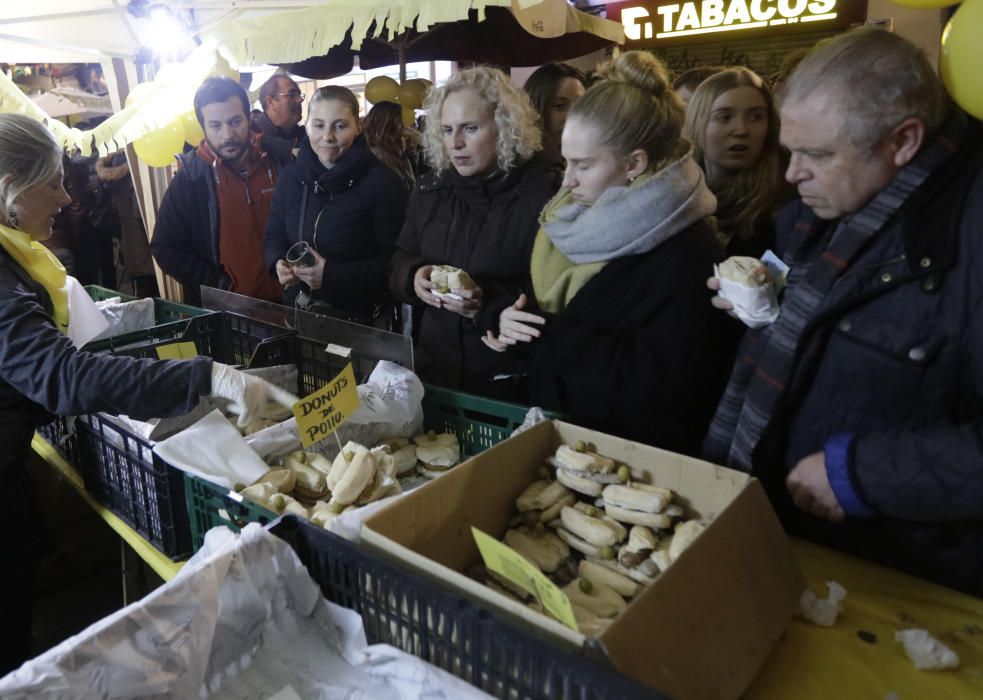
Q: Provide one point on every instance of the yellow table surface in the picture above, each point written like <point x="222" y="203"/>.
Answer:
<point x="834" y="663"/>
<point x="164" y="567"/>
<point x="810" y="662"/>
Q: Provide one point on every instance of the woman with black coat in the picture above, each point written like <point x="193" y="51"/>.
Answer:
<point x="614" y="327"/>
<point x="42" y="374"/>
<point x="347" y="205"/>
<point x="477" y="212"/>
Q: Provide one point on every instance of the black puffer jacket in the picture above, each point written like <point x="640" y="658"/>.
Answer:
<point x="894" y="358"/>
<point x="485" y="226"/>
<point x="352" y="216"/>
<point x="639" y="352"/>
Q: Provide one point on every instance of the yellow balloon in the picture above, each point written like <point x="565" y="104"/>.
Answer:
<point x="158" y="148"/>
<point x="409" y="116"/>
<point x="138" y="92"/>
<point x="192" y="129"/>
<point x="381" y="89"/>
<point x="925" y="4"/>
<point x="410" y="93"/>
<point x="961" y="59"/>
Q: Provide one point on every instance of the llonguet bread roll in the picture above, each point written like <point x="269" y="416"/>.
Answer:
<point x="743" y="270"/>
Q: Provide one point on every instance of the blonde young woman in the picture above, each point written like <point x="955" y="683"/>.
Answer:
<point x="615" y="328"/>
<point x="476" y="211"/>
<point x="347" y="205"/>
<point x="732" y="122"/>
<point x="42" y="374"/>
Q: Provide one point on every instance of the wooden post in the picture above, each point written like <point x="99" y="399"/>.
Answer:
<point x="149" y="184"/>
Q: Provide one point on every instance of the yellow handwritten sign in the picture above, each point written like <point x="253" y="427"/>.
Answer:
<point x="321" y="413"/>
<point x="177" y="351"/>
<point x="507" y="562"/>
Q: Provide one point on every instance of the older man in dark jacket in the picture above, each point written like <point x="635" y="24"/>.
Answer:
<point x="861" y="407"/>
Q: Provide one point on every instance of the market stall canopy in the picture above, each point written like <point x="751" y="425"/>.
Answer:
<point x="65" y="101"/>
<point x="226" y="35"/>
<point x="509" y="36"/>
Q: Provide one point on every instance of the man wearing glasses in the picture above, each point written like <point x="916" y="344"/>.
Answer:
<point x="279" y="123"/>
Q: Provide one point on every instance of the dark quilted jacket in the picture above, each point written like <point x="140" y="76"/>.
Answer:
<point x="358" y="207"/>
<point x="895" y="358"/>
<point x="486" y="227"/>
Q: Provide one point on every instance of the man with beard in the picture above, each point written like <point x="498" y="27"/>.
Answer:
<point x="279" y="123"/>
<point x="211" y="223"/>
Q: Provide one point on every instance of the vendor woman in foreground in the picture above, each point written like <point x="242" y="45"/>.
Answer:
<point x="41" y="372"/>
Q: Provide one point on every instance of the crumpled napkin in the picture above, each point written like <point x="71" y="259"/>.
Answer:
<point x="823" y="611"/>
<point x="925" y="651"/>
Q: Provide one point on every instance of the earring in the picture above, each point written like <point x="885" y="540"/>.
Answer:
<point x="631" y="179"/>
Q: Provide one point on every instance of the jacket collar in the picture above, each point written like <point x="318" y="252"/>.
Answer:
<point x="349" y="169"/>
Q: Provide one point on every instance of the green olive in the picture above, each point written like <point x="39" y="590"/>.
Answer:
<point x="337" y="508"/>
<point x="348" y="456"/>
<point x="580" y="446"/>
<point x="586" y="586"/>
<point x="590" y="510"/>
<point x="432" y="435"/>
<point x="278" y="502"/>
<point x="238" y="486"/>
<point x="607" y="552"/>
<point x="624" y="473"/>
<point x="591" y="447"/>
<point x="544" y="473"/>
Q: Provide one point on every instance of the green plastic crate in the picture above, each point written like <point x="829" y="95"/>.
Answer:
<point x="211" y="505"/>
<point x="478" y="422"/>
<point x="166" y="313"/>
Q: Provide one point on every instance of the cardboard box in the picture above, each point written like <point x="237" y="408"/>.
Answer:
<point x="706" y="625"/>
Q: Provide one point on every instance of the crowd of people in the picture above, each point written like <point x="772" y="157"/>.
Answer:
<point x="590" y="217"/>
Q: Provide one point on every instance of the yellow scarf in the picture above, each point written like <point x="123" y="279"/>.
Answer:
<point x="555" y="279"/>
<point x="43" y="267"/>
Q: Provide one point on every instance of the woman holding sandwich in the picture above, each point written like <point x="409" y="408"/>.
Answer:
<point x="477" y="213"/>
<point x="615" y="327"/>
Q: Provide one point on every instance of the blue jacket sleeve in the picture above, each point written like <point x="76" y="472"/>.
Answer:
<point x="837" y="458"/>
<point x="42" y="364"/>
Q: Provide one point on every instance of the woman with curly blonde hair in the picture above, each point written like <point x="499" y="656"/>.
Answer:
<point x="732" y="122"/>
<point x="477" y="211"/>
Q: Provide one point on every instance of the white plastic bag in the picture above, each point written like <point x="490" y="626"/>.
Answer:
<point x="242" y="620"/>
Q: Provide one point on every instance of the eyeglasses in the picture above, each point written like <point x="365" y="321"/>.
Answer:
<point x="293" y="95"/>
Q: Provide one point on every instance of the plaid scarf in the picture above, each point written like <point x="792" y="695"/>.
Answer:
<point x="767" y="358"/>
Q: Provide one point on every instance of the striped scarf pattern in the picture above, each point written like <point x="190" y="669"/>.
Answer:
<point x="767" y="358"/>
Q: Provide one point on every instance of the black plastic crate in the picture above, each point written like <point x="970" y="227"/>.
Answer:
<point x="226" y="337"/>
<point x="60" y="434"/>
<point x="122" y="473"/>
<point x="401" y="608"/>
<point x="119" y="468"/>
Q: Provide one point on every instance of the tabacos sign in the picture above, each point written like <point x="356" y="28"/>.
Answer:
<point x="653" y="23"/>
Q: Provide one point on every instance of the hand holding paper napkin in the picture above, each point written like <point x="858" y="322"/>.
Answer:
<point x="248" y="395"/>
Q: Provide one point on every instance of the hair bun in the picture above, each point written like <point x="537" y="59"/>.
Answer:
<point x="640" y="69"/>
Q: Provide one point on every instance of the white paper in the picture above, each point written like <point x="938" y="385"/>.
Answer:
<point x="85" y="321"/>
<point x="126" y="316"/>
<point x="390" y="405"/>
<point x="756" y="307"/>
<point x="214" y="450"/>
<point x="925" y="651"/>
<point x="241" y="621"/>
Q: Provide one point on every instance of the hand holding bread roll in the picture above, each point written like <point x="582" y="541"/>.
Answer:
<point x="745" y="285"/>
